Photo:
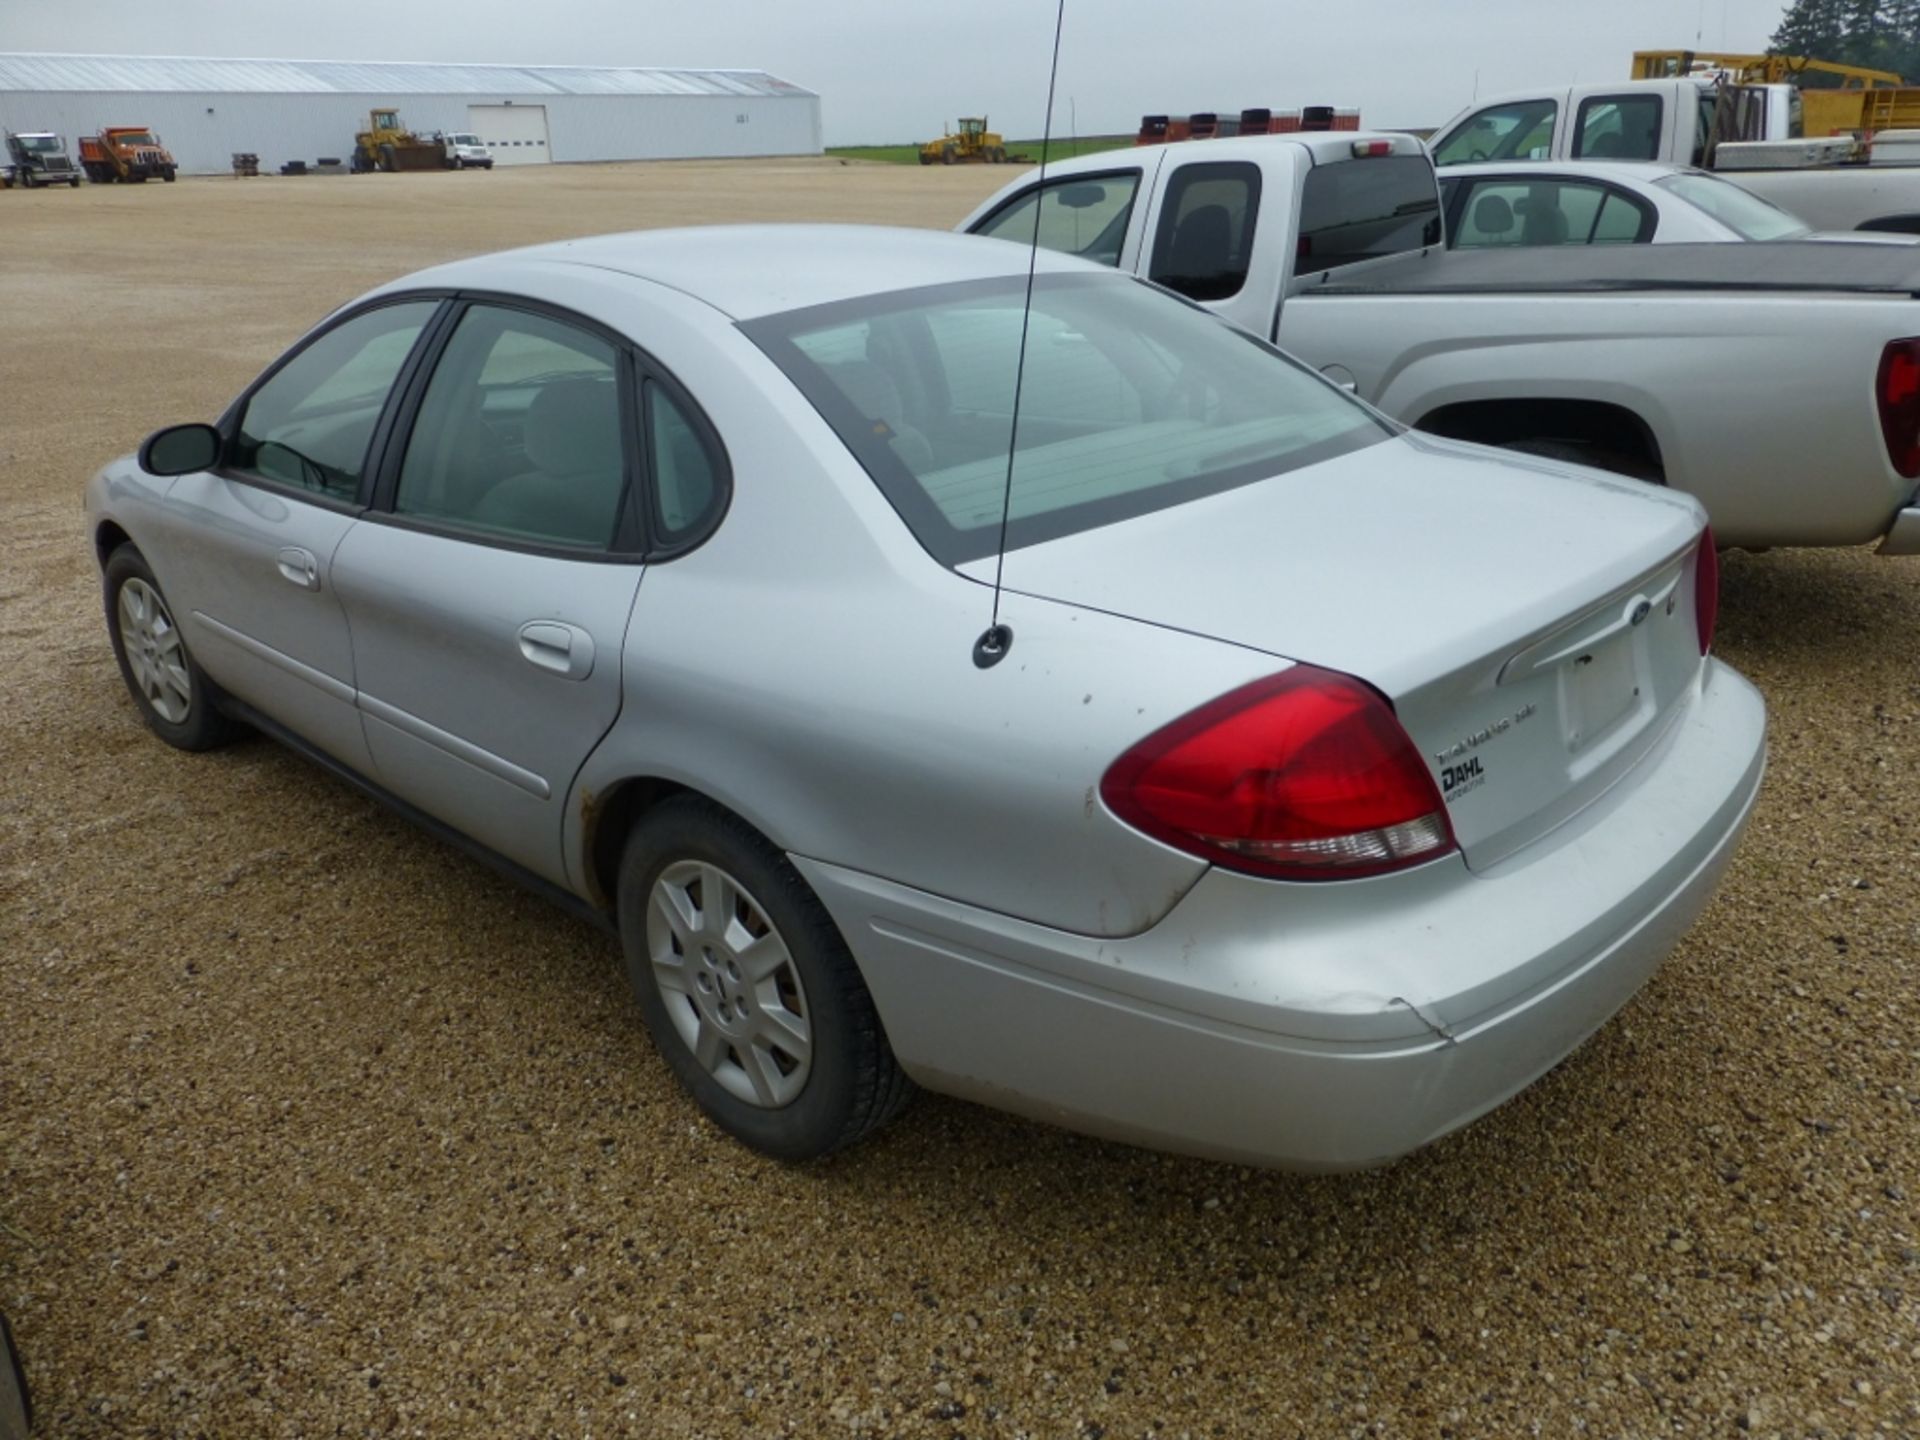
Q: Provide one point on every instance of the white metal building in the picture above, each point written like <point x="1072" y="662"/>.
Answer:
<point x="206" y="109"/>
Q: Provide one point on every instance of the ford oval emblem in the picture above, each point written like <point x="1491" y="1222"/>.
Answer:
<point x="1641" y="609"/>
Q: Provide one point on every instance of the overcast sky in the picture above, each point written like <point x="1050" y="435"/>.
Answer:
<point x="890" y="70"/>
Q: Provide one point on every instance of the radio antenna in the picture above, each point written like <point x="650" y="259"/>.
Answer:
<point x="992" y="646"/>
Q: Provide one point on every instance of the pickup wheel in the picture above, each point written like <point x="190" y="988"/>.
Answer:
<point x="751" y="994"/>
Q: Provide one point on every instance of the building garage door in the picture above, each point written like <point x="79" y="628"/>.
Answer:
<point x="516" y="134"/>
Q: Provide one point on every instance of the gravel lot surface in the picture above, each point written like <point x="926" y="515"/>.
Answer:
<point x="310" y="1126"/>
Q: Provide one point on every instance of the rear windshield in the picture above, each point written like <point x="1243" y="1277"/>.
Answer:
<point x="1362" y="209"/>
<point x="1741" y="211"/>
<point x="1131" y="401"/>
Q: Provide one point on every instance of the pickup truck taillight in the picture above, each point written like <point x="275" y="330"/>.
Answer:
<point x="1305" y="775"/>
<point x="1898" y="392"/>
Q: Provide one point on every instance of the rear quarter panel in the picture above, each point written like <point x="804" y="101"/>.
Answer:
<point x="811" y="668"/>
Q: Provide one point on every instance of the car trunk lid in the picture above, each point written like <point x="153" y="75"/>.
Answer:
<point x="1532" y="623"/>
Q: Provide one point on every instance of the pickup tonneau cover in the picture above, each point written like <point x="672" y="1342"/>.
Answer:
<point x="1863" y="268"/>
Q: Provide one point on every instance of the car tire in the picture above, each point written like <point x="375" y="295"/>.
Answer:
<point x="787" y="1053"/>
<point x="169" y="689"/>
<point x="16" y="1401"/>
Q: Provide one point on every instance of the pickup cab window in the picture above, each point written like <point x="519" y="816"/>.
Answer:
<point x="1519" y="130"/>
<point x="1618" y="127"/>
<point x="1204" y="243"/>
<point x="1085" y="216"/>
<point x="1353" y="210"/>
<point x="1490" y="212"/>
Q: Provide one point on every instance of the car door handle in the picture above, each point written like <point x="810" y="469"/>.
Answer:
<point x="300" y="567"/>
<point x="556" y="647"/>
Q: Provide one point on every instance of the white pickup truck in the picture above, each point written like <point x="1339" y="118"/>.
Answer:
<point x="1749" y="133"/>
<point x="1779" y="382"/>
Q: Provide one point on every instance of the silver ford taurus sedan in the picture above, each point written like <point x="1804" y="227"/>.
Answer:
<point x="1327" y="784"/>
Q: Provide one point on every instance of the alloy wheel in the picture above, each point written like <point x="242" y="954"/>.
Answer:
<point x="154" y="653"/>
<point x="730" y="984"/>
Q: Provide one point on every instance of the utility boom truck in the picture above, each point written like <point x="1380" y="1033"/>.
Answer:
<point x="1779" y="382"/>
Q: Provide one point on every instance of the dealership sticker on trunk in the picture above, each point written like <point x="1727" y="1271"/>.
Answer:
<point x="1461" y="771"/>
<point x="1457" y="780"/>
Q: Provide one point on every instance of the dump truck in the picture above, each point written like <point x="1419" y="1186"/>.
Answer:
<point x="388" y="145"/>
<point x="971" y="144"/>
<point x="37" y="158"/>
<point x="128" y="153"/>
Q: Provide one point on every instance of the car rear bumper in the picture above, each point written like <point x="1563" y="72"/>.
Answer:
<point x="1327" y="1026"/>
<point x="1903" y="536"/>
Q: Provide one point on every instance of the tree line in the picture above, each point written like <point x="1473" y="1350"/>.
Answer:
<point x="1884" y="34"/>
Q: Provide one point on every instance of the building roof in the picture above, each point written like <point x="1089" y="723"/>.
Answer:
<point x="146" y="74"/>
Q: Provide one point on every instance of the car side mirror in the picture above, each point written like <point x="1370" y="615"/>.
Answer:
<point x="181" y="450"/>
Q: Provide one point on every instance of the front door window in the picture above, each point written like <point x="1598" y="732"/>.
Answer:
<point x="309" y="425"/>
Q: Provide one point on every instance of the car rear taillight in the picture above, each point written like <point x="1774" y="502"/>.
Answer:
<point x="1898" y="392"/>
<point x="1305" y="775"/>
<point x="1706" y="589"/>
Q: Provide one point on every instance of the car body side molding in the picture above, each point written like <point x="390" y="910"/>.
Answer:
<point x="319" y="679"/>
<point x="474" y="755"/>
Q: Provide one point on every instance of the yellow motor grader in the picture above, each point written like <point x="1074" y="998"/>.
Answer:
<point x="973" y="144"/>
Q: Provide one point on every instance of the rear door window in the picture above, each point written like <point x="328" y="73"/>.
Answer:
<point x="519" y="434"/>
<point x="1523" y="211"/>
<point x="1086" y="215"/>
<point x="1618" y="127"/>
<point x="1352" y="210"/>
<point x="1522" y="130"/>
<point x="1204" y="241"/>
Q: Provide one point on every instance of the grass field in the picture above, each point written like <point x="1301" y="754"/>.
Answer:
<point x="1058" y="148"/>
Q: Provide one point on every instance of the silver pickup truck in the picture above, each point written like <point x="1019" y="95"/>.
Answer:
<point x="1779" y="382"/>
